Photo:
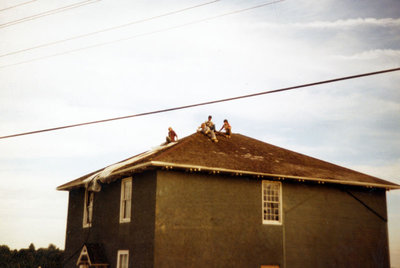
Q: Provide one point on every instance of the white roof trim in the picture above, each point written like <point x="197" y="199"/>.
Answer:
<point x="213" y="170"/>
<point x="280" y="176"/>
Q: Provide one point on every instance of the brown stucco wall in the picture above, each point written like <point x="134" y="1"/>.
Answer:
<point x="136" y="236"/>
<point x="212" y="221"/>
<point x="74" y="233"/>
<point x="202" y="220"/>
<point x="326" y="227"/>
<point x="215" y="221"/>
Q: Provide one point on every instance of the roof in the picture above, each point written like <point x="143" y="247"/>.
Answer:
<point x="238" y="155"/>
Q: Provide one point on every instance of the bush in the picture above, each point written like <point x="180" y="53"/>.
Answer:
<point x="51" y="257"/>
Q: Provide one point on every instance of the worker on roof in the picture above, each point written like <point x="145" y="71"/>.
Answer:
<point x="208" y="128"/>
<point x="227" y="127"/>
<point x="210" y="124"/>
<point x="171" y="135"/>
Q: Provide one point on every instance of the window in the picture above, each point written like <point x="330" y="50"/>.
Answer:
<point x="88" y="209"/>
<point x="126" y="200"/>
<point x="123" y="259"/>
<point x="271" y="202"/>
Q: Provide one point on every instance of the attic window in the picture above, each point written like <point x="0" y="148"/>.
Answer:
<point x="271" y="202"/>
<point x="126" y="200"/>
<point x="88" y="209"/>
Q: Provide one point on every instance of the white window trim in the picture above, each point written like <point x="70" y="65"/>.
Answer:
<point x="86" y="223"/>
<point x="272" y="222"/>
<point x="122" y="252"/>
<point x="123" y="219"/>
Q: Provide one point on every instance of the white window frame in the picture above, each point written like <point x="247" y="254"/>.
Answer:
<point x="121" y="253"/>
<point x="88" y="203"/>
<point x="271" y="198"/>
<point x="125" y="214"/>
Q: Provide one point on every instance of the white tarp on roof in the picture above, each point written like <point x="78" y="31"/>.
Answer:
<point x="92" y="182"/>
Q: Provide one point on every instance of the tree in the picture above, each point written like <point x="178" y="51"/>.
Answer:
<point x="5" y="256"/>
<point x="51" y="257"/>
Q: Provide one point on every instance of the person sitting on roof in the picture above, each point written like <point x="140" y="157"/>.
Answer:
<point x="171" y="135"/>
<point x="227" y="127"/>
<point x="211" y="127"/>
<point x="203" y="128"/>
<point x="210" y="124"/>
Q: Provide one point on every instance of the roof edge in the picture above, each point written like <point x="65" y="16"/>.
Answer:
<point x="196" y="168"/>
<point x="78" y="183"/>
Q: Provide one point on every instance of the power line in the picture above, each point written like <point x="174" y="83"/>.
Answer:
<point x="47" y="13"/>
<point x="17" y="5"/>
<point x="205" y="103"/>
<point x="108" y="29"/>
<point x="142" y="35"/>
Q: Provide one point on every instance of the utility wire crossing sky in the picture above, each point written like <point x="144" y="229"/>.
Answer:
<point x="127" y="38"/>
<point x="47" y="13"/>
<point x="10" y="7"/>
<point x="206" y="103"/>
<point x="108" y="29"/>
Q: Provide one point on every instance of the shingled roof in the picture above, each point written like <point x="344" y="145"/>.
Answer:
<point x="238" y="155"/>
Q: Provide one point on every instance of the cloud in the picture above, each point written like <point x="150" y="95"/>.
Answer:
<point x="348" y="23"/>
<point x="389" y="171"/>
<point x="341" y="24"/>
<point x="379" y="54"/>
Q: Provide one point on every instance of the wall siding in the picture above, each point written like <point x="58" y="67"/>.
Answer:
<point x="136" y="236"/>
<point x="215" y="221"/>
<point x="212" y="221"/>
<point x="198" y="220"/>
<point x="326" y="227"/>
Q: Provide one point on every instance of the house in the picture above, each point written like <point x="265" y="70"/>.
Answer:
<point x="236" y="203"/>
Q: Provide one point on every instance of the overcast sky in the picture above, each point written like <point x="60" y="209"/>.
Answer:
<point x="153" y="64"/>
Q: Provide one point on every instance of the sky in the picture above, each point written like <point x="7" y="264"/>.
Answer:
<point x="158" y="61"/>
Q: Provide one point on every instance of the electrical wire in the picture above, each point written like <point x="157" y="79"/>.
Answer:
<point x="108" y="29"/>
<point x="47" y="13"/>
<point x="204" y="103"/>
<point x="25" y="3"/>
<point x="141" y="35"/>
